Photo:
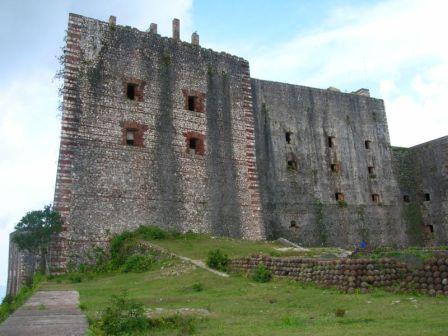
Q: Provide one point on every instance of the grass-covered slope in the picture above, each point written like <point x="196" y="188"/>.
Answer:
<point x="240" y="306"/>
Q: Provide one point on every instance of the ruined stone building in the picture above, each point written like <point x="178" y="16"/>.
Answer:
<point x="158" y="131"/>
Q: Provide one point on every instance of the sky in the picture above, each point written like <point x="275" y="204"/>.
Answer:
<point x="396" y="48"/>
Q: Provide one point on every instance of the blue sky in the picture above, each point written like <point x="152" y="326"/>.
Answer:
<point x="396" y="48"/>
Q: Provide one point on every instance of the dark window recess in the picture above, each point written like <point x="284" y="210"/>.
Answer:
<point x="367" y="144"/>
<point x="192" y="103"/>
<point x="430" y="228"/>
<point x="335" y="167"/>
<point x="339" y="196"/>
<point x="371" y="170"/>
<point x="130" y="91"/>
<point x="130" y="137"/>
<point x="288" y="137"/>
<point x="293" y="224"/>
<point x="193" y="143"/>
<point x="406" y="198"/>
<point x="292" y="165"/>
<point x="375" y="198"/>
<point x="427" y="197"/>
<point x="331" y="141"/>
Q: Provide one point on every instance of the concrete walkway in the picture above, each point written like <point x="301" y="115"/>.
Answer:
<point x="52" y="313"/>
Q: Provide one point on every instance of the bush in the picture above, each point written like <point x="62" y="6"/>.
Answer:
<point x="123" y="316"/>
<point x="261" y="274"/>
<point x="339" y="312"/>
<point x="151" y="232"/>
<point x="217" y="260"/>
<point x="197" y="287"/>
<point x="138" y="263"/>
<point x="75" y="278"/>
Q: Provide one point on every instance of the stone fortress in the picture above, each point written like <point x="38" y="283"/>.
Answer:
<point x="157" y="131"/>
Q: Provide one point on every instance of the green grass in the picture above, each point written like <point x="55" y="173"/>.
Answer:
<point x="241" y="306"/>
<point x="197" y="247"/>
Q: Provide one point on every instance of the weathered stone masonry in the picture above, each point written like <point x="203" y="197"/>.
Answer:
<point x="126" y="87"/>
<point x="156" y="131"/>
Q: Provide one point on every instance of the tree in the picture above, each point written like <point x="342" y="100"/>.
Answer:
<point x="35" y="230"/>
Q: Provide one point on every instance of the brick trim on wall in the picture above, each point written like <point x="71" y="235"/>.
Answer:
<point x="139" y="89"/>
<point x="200" y="102"/>
<point x="71" y="110"/>
<point x="256" y="229"/>
<point x="140" y="130"/>
<point x="200" y="149"/>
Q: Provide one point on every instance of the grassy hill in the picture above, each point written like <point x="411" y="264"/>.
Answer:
<point x="238" y="305"/>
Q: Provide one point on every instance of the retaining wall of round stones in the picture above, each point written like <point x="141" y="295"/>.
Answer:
<point x="349" y="275"/>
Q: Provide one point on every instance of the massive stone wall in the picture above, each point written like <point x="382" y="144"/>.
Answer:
<point x="106" y="185"/>
<point x="299" y="200"/>
<point x="423" y="179"/>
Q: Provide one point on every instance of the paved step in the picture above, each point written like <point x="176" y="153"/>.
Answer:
<point x="49" y="313"/>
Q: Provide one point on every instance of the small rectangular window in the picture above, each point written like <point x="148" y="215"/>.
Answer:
<point x="130" y="91"/>
<point x="430" y="228"/>
<point x="193" y="143"/>
<point x="331" y="141"/>
<point x="130" y="137"/>
<point x="292" y="165"/>
<point x="335" y="167"/>
<point x="427" y="197"/>
<point x="367" y="144"/>
<point x="339" y="196"/>
<point x="288" y="137"/>
<point x="406" y="198"/>
<point x="192" y="103"/>
<point x="375" y="198"/>
<point x="371" y="170"/>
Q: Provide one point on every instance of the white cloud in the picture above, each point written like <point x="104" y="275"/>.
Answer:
<point x="395" y="48"/>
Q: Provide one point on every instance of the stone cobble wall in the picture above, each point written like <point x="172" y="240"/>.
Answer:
<point x="21" y="267"/>
<point x="349" y="275"/>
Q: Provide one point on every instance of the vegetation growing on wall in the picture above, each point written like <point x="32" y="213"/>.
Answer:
<point x="11" y="303"/>
<point x="320" y="227"/>
<point x="413" y="216"/>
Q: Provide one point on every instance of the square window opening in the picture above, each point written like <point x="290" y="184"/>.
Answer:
<point x="427" y="197"/>
<point x="406" y="198"/>
<point x="288" y="137"/>
<point x="131" y="90"/>
<point x="375" y="198"/>
<point x="367" y="144"/>
<point x="430" y="228"/>
<point x="335" y="167"/>
<point x="371" y="170"/>
<point x="292" y="165"/>
<point x="293" y="224"/>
